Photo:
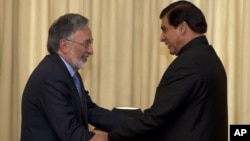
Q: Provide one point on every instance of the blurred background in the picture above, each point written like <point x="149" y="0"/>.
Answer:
<point x="128" y="59"/>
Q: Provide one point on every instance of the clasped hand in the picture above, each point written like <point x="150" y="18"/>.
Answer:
<point x="99" y="136"/>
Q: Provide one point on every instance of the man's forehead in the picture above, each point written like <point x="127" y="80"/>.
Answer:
<point x="164" y="22"/>
<point x="83" y="34"/>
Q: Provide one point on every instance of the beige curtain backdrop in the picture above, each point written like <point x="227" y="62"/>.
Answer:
<point x="128" y="58"/>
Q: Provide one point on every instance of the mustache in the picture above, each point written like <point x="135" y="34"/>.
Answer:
<point x="86" y="55"/>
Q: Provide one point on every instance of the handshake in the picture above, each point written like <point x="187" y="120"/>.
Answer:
<point x="99" y="136"/>
<point x="128" y="111"/>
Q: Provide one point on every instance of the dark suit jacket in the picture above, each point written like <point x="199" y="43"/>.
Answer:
<point x="190" y="102"/>
<point x="52" y="110"/>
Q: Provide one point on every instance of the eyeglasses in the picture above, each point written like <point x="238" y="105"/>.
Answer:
<point x="86" y="43"/>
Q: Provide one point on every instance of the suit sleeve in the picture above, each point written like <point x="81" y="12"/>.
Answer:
<point x="171" y="94"/>
<point x="105" y="119"/>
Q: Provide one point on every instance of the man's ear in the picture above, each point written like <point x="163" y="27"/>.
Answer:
<point x="183" y="27"/>
<point x="63" y="45"/>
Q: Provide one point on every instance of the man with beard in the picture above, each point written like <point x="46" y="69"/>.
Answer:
<point x="55" y="104"/>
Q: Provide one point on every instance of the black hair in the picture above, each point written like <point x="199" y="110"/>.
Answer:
<point x="180" y="11"/>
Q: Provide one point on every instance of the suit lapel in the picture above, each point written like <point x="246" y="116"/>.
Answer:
<point x="82" y="106"/>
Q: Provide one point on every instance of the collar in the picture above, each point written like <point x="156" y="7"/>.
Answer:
<point x="70" y="69"/>
<point x="193" y="43"/>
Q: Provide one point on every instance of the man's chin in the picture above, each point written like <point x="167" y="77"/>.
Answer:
<point x="171" y="52"/>
<point x="81" y="65"/>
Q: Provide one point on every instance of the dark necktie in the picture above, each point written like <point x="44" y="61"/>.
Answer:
<point x="77" y="84"/>
<point x="81" y="92"/>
